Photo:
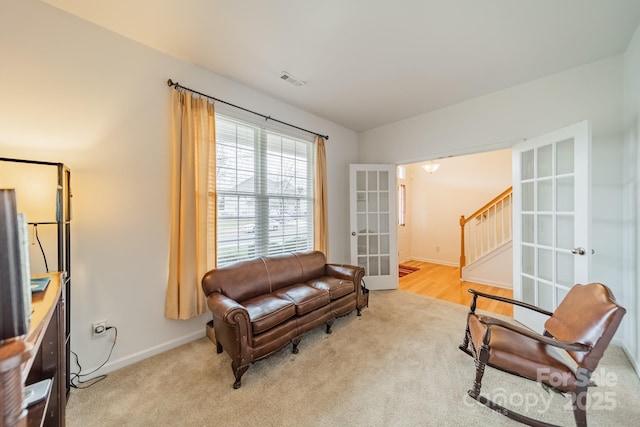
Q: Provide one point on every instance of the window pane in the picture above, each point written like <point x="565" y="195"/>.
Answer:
<point x="384" y="181"/>
<point x="564" y="198"/>
<point x="564" y="269"/>
<point x="545" y="195"/>
<point x="385" y="266"/>
<point x="372" y="180"/>
<point x="545" y="296"/>
<point x="545" y="262"/>
<point x="564" y="232"/>
<point x="528" y="260"/>
<point x="564" y="154"/>
<point x="545" y="161"/>
<point x="545" y="230"/>
<point x="527" y="228"/>
<point x="361" y="183"/>
<point x="526" y="160"/>
<point x="527" y="197"/>
<point x="528" y="290"/>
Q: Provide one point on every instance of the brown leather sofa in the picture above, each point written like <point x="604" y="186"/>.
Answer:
<point x="261" y="305"/>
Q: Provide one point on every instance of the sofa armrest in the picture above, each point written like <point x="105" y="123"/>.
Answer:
<point x="346" y="272"/>
<point x="227" y="309"/>
<point x="355" y="274"/>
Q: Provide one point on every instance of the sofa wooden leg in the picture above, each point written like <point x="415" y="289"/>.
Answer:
<point x="328" y="323"/>
<point x="238" y="372"/>
<point x="295" y="343"/>
<point x="218" y="347"/>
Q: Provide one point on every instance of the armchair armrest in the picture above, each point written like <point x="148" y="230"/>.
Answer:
<point x="506" y="300"/>
<point x="565" y="345"/>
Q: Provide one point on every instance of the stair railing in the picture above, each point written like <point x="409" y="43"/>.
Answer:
<point x="486" y="229"/>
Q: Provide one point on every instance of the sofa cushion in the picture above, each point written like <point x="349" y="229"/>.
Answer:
<point x="337" y="287"/>
<point x="306" y="298"/>
<point x="267" y="311"/>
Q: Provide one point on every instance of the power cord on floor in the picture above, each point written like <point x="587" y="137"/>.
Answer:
<point x="76" y="377"/>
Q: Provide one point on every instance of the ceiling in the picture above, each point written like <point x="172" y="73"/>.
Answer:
<point x="372" y="62"/>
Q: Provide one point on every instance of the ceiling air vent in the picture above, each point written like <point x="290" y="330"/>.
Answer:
<point x="287" y="77"/>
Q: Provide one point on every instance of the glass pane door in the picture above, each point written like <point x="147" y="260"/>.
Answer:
<point x="373" y="215"/>
<point x="551" y="219"/>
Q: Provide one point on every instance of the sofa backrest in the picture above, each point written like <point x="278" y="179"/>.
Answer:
<point x="248" y="279"/>
<point x="313" y="264"/>
<point x="239" y="281"/>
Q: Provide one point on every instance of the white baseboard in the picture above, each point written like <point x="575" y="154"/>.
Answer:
<point x="482" y="281"/>
<point x="136" y="357"/>
<point x="633" y="362"/>
<point x="436" y="261"/>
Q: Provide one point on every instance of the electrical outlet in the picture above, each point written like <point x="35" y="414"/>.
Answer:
<point x="98" y="329"/>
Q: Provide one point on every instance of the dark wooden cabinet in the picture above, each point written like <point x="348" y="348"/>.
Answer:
<point x="39" y="356"/>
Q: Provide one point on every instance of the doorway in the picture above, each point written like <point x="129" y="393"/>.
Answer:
<point x="430" y="238"/>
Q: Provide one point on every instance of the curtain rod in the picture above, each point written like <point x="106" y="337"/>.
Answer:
<point x="177" y="85"/>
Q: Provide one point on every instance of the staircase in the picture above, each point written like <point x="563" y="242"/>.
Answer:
<point x="486" y="243"/>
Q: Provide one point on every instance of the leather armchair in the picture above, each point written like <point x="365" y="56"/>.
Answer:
<point x="582" y="326"/>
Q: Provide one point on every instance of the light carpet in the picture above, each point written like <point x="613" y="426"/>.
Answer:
<point x="396" y="365"/>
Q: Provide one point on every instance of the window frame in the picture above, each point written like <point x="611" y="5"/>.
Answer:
<point x="281" y="219"/>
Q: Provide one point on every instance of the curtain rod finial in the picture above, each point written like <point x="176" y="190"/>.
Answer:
<point x="170" y="83"/>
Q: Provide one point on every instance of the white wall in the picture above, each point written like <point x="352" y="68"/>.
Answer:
<point x="459" y="187"/>
<point x="75" y="93"/>
<point x="631" y="294"/>
<point x="498" y="120"/>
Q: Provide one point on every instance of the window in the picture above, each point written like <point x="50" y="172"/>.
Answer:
<point x="264" y="184"/>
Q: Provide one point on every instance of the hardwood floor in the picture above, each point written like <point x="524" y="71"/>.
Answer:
<point x="443" y="282"/>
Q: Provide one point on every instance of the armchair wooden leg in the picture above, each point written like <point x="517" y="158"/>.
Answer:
<point x="465" y="342"/>
<point x="579" y="402"/>
<point x="511" y="414"/>
<point x="480" y="362"/>
<point x="477" y="383"/>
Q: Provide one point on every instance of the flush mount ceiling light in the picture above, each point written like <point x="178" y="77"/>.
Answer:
<point x="289" y="78"/>
<point x="431" y="167"/>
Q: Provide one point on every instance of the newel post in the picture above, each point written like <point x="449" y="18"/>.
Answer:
<point x="463" y="258"/>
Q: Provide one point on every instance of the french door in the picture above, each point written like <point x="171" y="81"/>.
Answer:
<point x="551" y="224"/>
<point x="373" y="223"/>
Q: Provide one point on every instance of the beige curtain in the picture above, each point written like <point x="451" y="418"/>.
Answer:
<point x="192" y="240"/>
<point x="320" y="202"/>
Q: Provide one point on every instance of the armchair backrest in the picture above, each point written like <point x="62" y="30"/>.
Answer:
<point x="589" y="315"/>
